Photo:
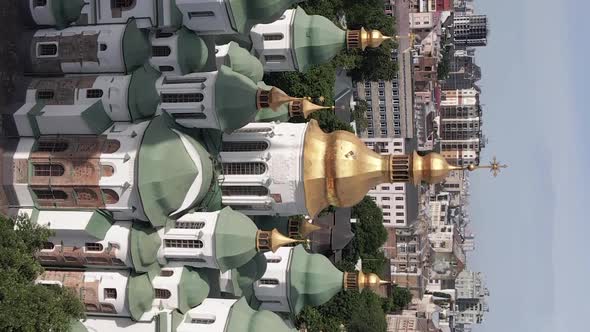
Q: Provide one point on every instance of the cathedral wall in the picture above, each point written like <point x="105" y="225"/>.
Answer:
<point x="272" y="43"/>
<point x="211" y="316"/>
<point x="271" y="289"/>
<point x="206" y="17"/>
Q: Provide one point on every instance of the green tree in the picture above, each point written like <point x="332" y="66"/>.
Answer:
<point x="400" y="298"/>
<point x="25" y="306"/>
<point x="369" y="231"/>
<point x="369" y="316"/>
<point x="359" y="115"/>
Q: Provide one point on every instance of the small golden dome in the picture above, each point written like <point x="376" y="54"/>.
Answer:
<point x="273" y="240"/>
<point x="363" y="38"/>
<point x="359" y="280"/>
<point x="272" y="98"/>
<point x="432" y="168"/>
<point x="303" y="107"/>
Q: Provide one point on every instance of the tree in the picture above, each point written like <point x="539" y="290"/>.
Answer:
<point x="400" y="298"/>
<point x="359" y="115"/>
<point x="25" y="306"/>
<point x="369" y="316"/>
<point x="369" y="231"/>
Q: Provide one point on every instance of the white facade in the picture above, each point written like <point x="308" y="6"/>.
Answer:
<point x="211" y="316"/>
<point x="390" y="197"/>
<point x="422" y="20"/>
<point x="206" y="17"/>
<point x="189" y="99"/>
<point x="272" y="43"/>
<point x="271" y="289"/>
<point x="109" y="52"/>
<point x="463" y="97"/>
<point x="276" y="149"/>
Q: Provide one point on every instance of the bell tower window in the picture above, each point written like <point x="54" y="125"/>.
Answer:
<point x="244" y="146"/>
<point x="48" y="170"/>
<point x="46" y="50"/>
<point x="94" y="93"/>
<point x="274" y="58"/>
<point x="254" y="168"/>
<point x="273" y="36"/>
<point x="182" y="97"/>
<point x="160" y="51"/>
<point x="244" y="191"/>
<point x="192" y="15"/>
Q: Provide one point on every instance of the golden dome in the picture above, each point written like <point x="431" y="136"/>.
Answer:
<point x="339" y="170"/>
<point x="432" y="168"/>
<point x="273" y="240"/>
<point x="306" y="228"/>
<point x="272" y="98"/>
<point x="359" y="280"/>
<point x="363" y="38"/>
<point x="303" y="107"/>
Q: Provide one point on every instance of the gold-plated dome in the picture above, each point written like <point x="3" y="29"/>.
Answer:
<point x="303" y="107"/>
<point x="273" y="240"/>
<point x="363" y="38"/>
<point x="339" y="170"/>
<point x="432" y="168"/>
<point x="359" y="280"/>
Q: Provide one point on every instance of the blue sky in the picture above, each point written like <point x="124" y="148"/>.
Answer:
<point x="530" y="222"/>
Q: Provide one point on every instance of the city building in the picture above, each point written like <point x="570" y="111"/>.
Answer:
<point x="470" y="30"/>
<point x="471" y="304"/>
<point x="384" y="115"/>
<point x="410" y="264"/>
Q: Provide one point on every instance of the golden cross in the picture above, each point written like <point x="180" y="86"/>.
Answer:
<point x="495" y="167"/>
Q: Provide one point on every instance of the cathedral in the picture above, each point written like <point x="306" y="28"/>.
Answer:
<point x="146" y="140"/>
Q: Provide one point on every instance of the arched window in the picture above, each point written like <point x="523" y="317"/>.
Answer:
<point x="93" y="246"/>
<point x="111" y="146"/>
<point x="110" y="196"/>
<point x="48" y="170"/>
<point x="244" y="168"/>
<point x="162" y="293"/>
<point x="46" y="50"/>
<point x="166" y="273"/>
<point x="94" y="93"/>
<point x="274" y="259"/>
<point x="103" y="47"/>
<point x="51" y="146"/>
<point x="164" y="69"/>
<point x="270" y="282"/>
<point x="182" y="97"/>
<point x="192" y="115"/>
<point x="203" y="320"/>
<point x="40" y="3"/>
<point x="85" y="195"/>
<point x="273" y="36"/>
<point x="244" y="146"/>
<point x="123" y="4"/>
<point x="45" y="94"/>
<point x="192" y="15"/>
<point x="50" y="194"/>
<point x="107" y="170"/>
<point x="274" y="58"/>
<point x="161" y="51"/>
<point x="189" y="224"/>
<point x="244" y="191"/>
<point x="163" y="34"/>
<point x="110" y="293"/>
<point x="188" y="244"/>
<point x="48" y="246"/>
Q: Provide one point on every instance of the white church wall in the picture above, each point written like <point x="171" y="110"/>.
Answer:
<point x="272" y="42"/>
<point x="274" y="296"/>
<point x="206" y="17"/>
<point x="211" y="316"/>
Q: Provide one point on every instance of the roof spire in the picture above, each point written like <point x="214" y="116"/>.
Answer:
<point x="494" y="166"/>
<point x="273" y="240"/>
<point x="304" y="107"/>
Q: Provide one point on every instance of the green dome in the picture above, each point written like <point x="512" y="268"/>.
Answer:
<point x="235" y="239"/>
<point x="313" y="280"/>
<point x="136" y="47"/>
<point x="268" y="115"/>
<point x="143" y="98"/>
<point x="192" y="52"/>
<point x="248" y="13"/>
<point x="166" y="170"/>
<point x="193" y="288"/>
<point x="241" y="61"/>
<point x="242" y="318"/>
<point x="244" y="277"/>
<point x="140" y="295"/>
<point x="66" y="11"/>
<point x="268" y="223"/>
<point x="144" y="243"/>
<point x="316" y="39"/>
<point x="235" y="99"/>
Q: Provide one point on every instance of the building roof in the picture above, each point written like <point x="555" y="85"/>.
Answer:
<point x="241" y="61"/>
<point x="66" y="11"/>
<point x="247" y="13"/>
<point x="267" y="114"/>
<point x="235" y="99"/>
<point x="193" y="288"/>
<point x="192" y="51"/>
<point x="142" y="97"/>
<point x="316" y="39"/>
<point x="140" y="295"/>
<point x="242" y="318"/>
<point x="313" y="280"/>
<point x="144" y="243"/>
<point x="234" y="238"/>
<point x="244" y="277"/>
<point x="186" y="163"/>
<point x="136" y="47"/>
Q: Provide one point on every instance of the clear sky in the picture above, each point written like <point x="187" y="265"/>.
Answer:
<point x="531" y="222"/>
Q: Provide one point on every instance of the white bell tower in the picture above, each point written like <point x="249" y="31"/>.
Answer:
<point x="272" y="43"/>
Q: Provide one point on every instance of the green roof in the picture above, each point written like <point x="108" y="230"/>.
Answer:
<point x="193" y="288"/>
<point x="99" y="224"/>
<point x="140" y="295"/>
<point x="142" y="97"/>
<point x="316" y="39"/>
<point x="268" y="223"/>
<point x="267" y="114"/>
<point x="66" y="11"/>
<point x="241" y="61"/>
<point x="248" y="13"/>
<point x="244" y="277"/>
<point x="313" y="279"/>
<point x="166" y="171"/>
<point x="136" y="47"/>
<point x="235" y="99"/>
<point x="144" y="245"/>
<point x="235" y="239"/>
<point x="175" y="15"/>
<point x="192" y="51"/>
<point x="96" y="118"/>
<point x="242" y="318"/>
